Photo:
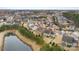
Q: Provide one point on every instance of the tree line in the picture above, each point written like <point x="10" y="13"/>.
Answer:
<point x="72" y="16"/>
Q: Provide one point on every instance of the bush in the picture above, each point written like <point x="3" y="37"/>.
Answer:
<point x="8" y="27"/>
<point x="54" y="47"/>
<point x="69" y="46"/>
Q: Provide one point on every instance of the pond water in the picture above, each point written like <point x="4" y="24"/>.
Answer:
<point x="13" y="43"/>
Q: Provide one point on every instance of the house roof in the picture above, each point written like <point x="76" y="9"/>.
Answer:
<point x="69" y="39"/>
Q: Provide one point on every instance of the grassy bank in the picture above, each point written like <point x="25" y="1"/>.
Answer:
<point x="25" y="32"/>
<point x="53" y="47"/>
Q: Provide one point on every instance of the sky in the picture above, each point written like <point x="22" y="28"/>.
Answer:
<point x="38" y="4"/>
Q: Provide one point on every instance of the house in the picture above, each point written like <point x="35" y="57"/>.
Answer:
<point x="48" y="33"/>
<point x="32" y="26"/>
<point x="75" y="35"/>
<point x="69" y="41"/>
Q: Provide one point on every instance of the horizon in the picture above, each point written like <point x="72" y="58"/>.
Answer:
<point x="39" y="8"/>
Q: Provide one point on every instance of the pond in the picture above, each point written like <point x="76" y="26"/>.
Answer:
<point x="13" y="43"/>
